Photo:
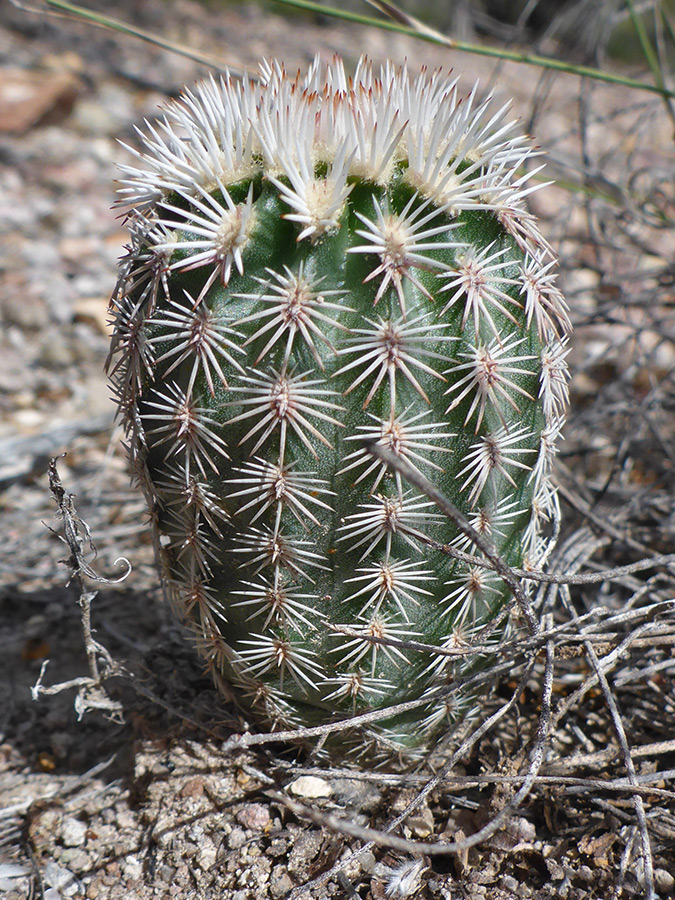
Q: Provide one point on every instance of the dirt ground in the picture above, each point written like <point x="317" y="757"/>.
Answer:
<point x="129" y="789"/>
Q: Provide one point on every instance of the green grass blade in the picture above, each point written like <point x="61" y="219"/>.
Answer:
<point x="428" y="34"/>
<point x="646" y="44"/>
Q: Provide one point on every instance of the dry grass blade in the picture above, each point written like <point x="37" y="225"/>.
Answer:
<point x="400" y="15"/>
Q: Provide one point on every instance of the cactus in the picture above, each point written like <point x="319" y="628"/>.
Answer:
<point x="315" y="261"/>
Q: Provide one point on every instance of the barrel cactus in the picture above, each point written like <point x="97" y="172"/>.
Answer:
<point x="317" y="260"/>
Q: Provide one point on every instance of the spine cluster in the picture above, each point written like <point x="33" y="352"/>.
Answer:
<point x="314" y="261"/>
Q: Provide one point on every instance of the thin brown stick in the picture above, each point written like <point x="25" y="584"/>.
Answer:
<point x="238" y="742"/>
<point x="448" y="508"/>
<point x="384" y="838"/>
<point x="75" y="535"/>
<point x="600" y="577"/>
<point x="620" y="731"/>
<point x="569" y="783"/>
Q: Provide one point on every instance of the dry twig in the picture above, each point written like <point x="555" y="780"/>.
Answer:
<point x="76" y="534"/>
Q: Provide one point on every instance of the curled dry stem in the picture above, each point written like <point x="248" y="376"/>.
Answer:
<point x="76" y="536"/>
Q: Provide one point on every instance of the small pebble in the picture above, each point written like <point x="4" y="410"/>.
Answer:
<point x="664" y="882"/>
<point x="77" y="860"/>
<point x="193" y="787"/>
<point x="132" y="868"/>
<point x="367" y="861"/>
<point x="236" y="838"/>
<point x="585" y="873"/>
<point x="61" y="881"/>
<point x="356" y="793"/>
<point x="125" y="818"/>
<point x="280" y="882"/>
<point x="310" y="787"/>
<point x="509" y="883"/>
<point x="73" y="832"/>
<point x="421" y="822"/>
<point x="24" y="310"/>
<point x="166" y="873"/>
<point x="277" y="847"/>
<point x="206" y="858"/>
<point x="254" y="816"/>
<point x="523" y="829"/>
<point x="56" y="353"/>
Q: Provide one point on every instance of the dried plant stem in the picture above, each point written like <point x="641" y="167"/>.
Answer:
<point x="625" y="860"/>
<point x="600" y="577"/>
<point x="569" y="783"/>
<point x="607" y="662"/>
<point x="584" y="508"/>
<point x="239" y="742"/>
<point x="399" y="22"/>
<point x="75" y="535"/>
<point x="384" y="838"/>
<point x="416" y="479"/>
<point x="650" y="54"/>
<point x="630" y="769"/>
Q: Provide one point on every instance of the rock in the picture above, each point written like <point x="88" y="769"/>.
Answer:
<point x="310" y="787"/>
<point x="166" y="873"/>
<point x="73" y="832"/>
<point x="254" y="816"/>
<point x="280" y="883"/>
<point x="277" y="847"/>
<point x="358" y="794"/>
<point x="236" y="839"/>
<point x="77" y="860"/>
<point x="421" y="822"/>
<point x="193" y="787"/>
<point x="207" y="856"/>
<point x="132" y="868"/>
<point x="106" y="113"/>
<point x="14" y="373"/>
<point x="509" y="883"/>
<point x="21" y="306"/>
<point x="93" y="311"/>
<point x="56" y="352"/>
<point x="31" y="97"/>
<point x="62" y="883"/>
<point x="12" y="876"/>
<point x="664" y="882"/>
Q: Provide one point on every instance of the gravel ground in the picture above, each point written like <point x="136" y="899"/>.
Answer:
<point x="136" y="798"/>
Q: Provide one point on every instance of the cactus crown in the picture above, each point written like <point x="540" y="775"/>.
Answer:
<point x="316" y="260"/>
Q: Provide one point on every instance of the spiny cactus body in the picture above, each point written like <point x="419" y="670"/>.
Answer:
<point x="316" y="261"/>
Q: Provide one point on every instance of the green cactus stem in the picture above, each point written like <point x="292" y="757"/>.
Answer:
<point x="316" y="260"/>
